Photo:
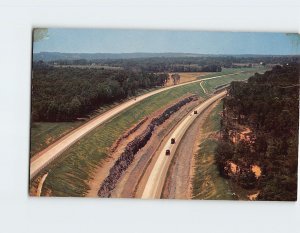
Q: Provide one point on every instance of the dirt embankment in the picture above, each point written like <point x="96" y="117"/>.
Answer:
<point x="245" y="172"/>
<point x="127" y="156"/>
<point x="178" y="184"/>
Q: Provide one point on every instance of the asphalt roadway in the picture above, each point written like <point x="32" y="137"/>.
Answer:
<point x="46" y="156"/>
<point x="155" y="182"/>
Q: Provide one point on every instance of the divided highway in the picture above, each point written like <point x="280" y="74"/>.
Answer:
<point x="155" y="182"/>
<point x="46" y="156"/>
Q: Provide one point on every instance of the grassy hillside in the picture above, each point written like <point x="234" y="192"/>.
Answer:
<point x="45" y="133"/>
<point x="207" y="183"/>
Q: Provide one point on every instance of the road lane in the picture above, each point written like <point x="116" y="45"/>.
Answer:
<point x="46" y="156"/>
<point x="155" y="182"/>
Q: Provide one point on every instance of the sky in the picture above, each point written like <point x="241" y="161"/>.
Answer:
<point x="160" y="41"/>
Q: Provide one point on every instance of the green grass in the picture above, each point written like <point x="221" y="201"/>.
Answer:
<point x="210" y="85"/>
<point x="45" y="133"/>
<point x="213" y="124"/>
<point x="233" y="70"/>
<point x="68" y="176"/>
<point x="207" y="183"/>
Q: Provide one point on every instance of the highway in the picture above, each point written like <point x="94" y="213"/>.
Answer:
<point x="155" y="182"/>
<point x="46" y="156"/>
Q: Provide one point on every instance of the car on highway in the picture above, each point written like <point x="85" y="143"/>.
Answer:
<point x="168" y="152"/>
<point x="172" y="140"/>
<point x="195" y="112"/>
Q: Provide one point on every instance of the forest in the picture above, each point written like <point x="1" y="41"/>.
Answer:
<point x="164" y="62"/>
<point x="65" y="94"/>
<point x="141" y="59"/>
<point x="151" y="64"/>
<point x="268" y="106"/>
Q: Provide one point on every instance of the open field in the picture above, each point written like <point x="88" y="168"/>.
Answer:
<point x="191" y="76"/>
<point x="207" y="183"/>
<point x="236" y="70"/>
<point x="188" y="77"/>
<point x="69" y="175"/>
<point x="210" y="85"/>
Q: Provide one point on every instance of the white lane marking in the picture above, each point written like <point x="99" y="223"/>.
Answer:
<point x="157" y="176"/>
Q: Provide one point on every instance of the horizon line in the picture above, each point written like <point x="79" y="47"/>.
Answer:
<point x="217" y="54"/>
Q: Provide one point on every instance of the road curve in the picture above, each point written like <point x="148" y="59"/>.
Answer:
<point x="46" y="156"/>
<point x="155" y="182"/>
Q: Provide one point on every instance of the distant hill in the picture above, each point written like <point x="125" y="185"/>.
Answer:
<point x="54" y="56"/>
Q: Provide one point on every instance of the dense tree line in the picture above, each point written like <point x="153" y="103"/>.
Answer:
<point x="149" y="64"/>
<point x="269" y="105"/>
<point x="64" y="94"/>
<point x="175" y="58"/>
<point x="196" y="63"/>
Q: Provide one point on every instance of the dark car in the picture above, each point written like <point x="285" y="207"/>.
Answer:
<point x="195" y="112"/>
<point x="168" y="152"/>
<point x="172" y="140"/>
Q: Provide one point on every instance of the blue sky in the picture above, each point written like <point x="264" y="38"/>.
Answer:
<point x="158" y="41"/>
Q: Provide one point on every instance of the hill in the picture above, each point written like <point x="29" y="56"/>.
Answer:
<point x="259" y="147"/>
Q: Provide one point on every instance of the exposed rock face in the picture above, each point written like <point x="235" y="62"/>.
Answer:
<point x="134" y="146"/>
